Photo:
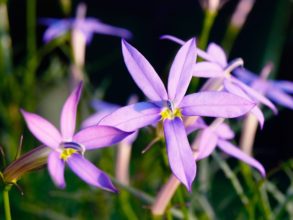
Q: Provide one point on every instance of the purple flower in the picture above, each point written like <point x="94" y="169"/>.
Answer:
<point x="170" y="107"/>
<point x="276" y="90"/>
<point x="220" y="136"/>
<point x="87" y="26"/>
<point x="217" y="66"/>
<point x="69" y="148"/>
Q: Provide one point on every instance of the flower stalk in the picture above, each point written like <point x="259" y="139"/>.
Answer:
<point x="250" y="122"/>
<point x="6" y="202"/>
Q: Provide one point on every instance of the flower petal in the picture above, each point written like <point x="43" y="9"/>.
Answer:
<point x="90" y="173"/>
<point x="245" y="75"/>
<point x="255" y="95"/>
<point x="43" y="130"/>
<point x="207" y="144"/>
<point x="181" y="71"/>
<point x="133" y="117"/>
<point x="236" y="90"/>
<point x="215" y="104"/>
<point x="143" y="73"/>
<point x="180" y="155"/>
<point x="208" y="70"/>
<point x="95" y="119"/>
<point x="57" y="29"/>
<point x="218" y="54"/>
<point x="280" y="98"/>
<point x="94" y="25"/>
<point x="98" y="136"/>
<point x="287" y="86"/>
<point x="68" y="114"/>
<point x="233" y="151"/>
<point x="198" y="124"/>
<point x="224" y="131"/>
<point x="100" y="105"/>
<point x="56" y="168"/>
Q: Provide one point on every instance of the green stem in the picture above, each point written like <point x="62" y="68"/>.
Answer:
<point x="6" y="202"/>
<point x="207" y="26"/>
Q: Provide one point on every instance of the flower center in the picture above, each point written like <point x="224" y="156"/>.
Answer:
<point x="69" y="148"/>
<point x="170" y="112"/>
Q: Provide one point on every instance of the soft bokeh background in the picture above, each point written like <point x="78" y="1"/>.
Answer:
<point x="266" y="36"/>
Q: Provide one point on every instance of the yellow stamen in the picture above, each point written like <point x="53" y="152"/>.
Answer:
<point x="167" y="113"/>
<point x="66" y="153"/>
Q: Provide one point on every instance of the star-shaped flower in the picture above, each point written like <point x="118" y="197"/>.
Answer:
<point x="68" y="147"/>
<point x="170" y="107"/>
<point x="88" y="26"/>
<point x="220" y="136"/>
<point x="216" y="66"/>
<point x="278" y="91"/>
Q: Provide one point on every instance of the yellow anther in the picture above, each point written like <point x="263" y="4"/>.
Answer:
<point x="66" y="153"/>
<point x="167" y="113"/>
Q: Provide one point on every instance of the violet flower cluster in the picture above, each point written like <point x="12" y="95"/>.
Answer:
<point x="223" y="96"/>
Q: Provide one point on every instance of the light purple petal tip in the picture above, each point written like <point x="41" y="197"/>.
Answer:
<point x="207" y="70"/>
<point x="181" y="71"/>
<point x="56" y="29"/>
<point x="133" y="117"/>
<point x="90" y="173"/>
<point x="68" y="115"/>
<point x="94" y="25"/>
<point x="43" y="130"/>
<point x="172" y="38"/>
<point x="232" y="150"/>
<point x="218" y="54"/>
<point x="236" y="90"/>
<point x="143" y="73"/>
<point x="95" y="119"/>
<point x="180" y="155"/>
<point x="56" y="168"/>
<point x="255" y="95"/>
<point x="286" y="86"/>
<point x="245" y="75"/>
<point x="215" y="104"/>
<point x="99" y="136"/>
<point x="225" y="132"/>
<point x="207" y="144"/>
<point x="280" y="98"/>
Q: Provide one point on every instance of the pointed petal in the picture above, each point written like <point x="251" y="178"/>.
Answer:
<point x="255" y="95"/>
<point x="43" y="130"/>
<point x="143" y="73"/>
<point x="95" y="25"/>
<point x="181" y="71"/>
<point x="245" y="75"/>
<point x="236" y="90"/>
<point x="233" y="151"/>
<point x="180" y="155"/>
<point x="218" y="54"/>
<point x="208" y="70"/>
<point x="280" y="98"/>
<point x="56" y="29"/>
<point x="224" y="131"/>
<point x="215" y="104"/>
<point x="133" y="117"/>
<point x="98" y="136"/>
<point x="100" y="105"/>
<point x="68" y="114"/>
<point x="90" y="173"/>
<point x="287" y="86"/>
<point x="207" y="144"/>
<point x="198" y="124"/>
<point x="172" y="38"/>
<point x="56" y="168"/>
<point x="95" y="119"/>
